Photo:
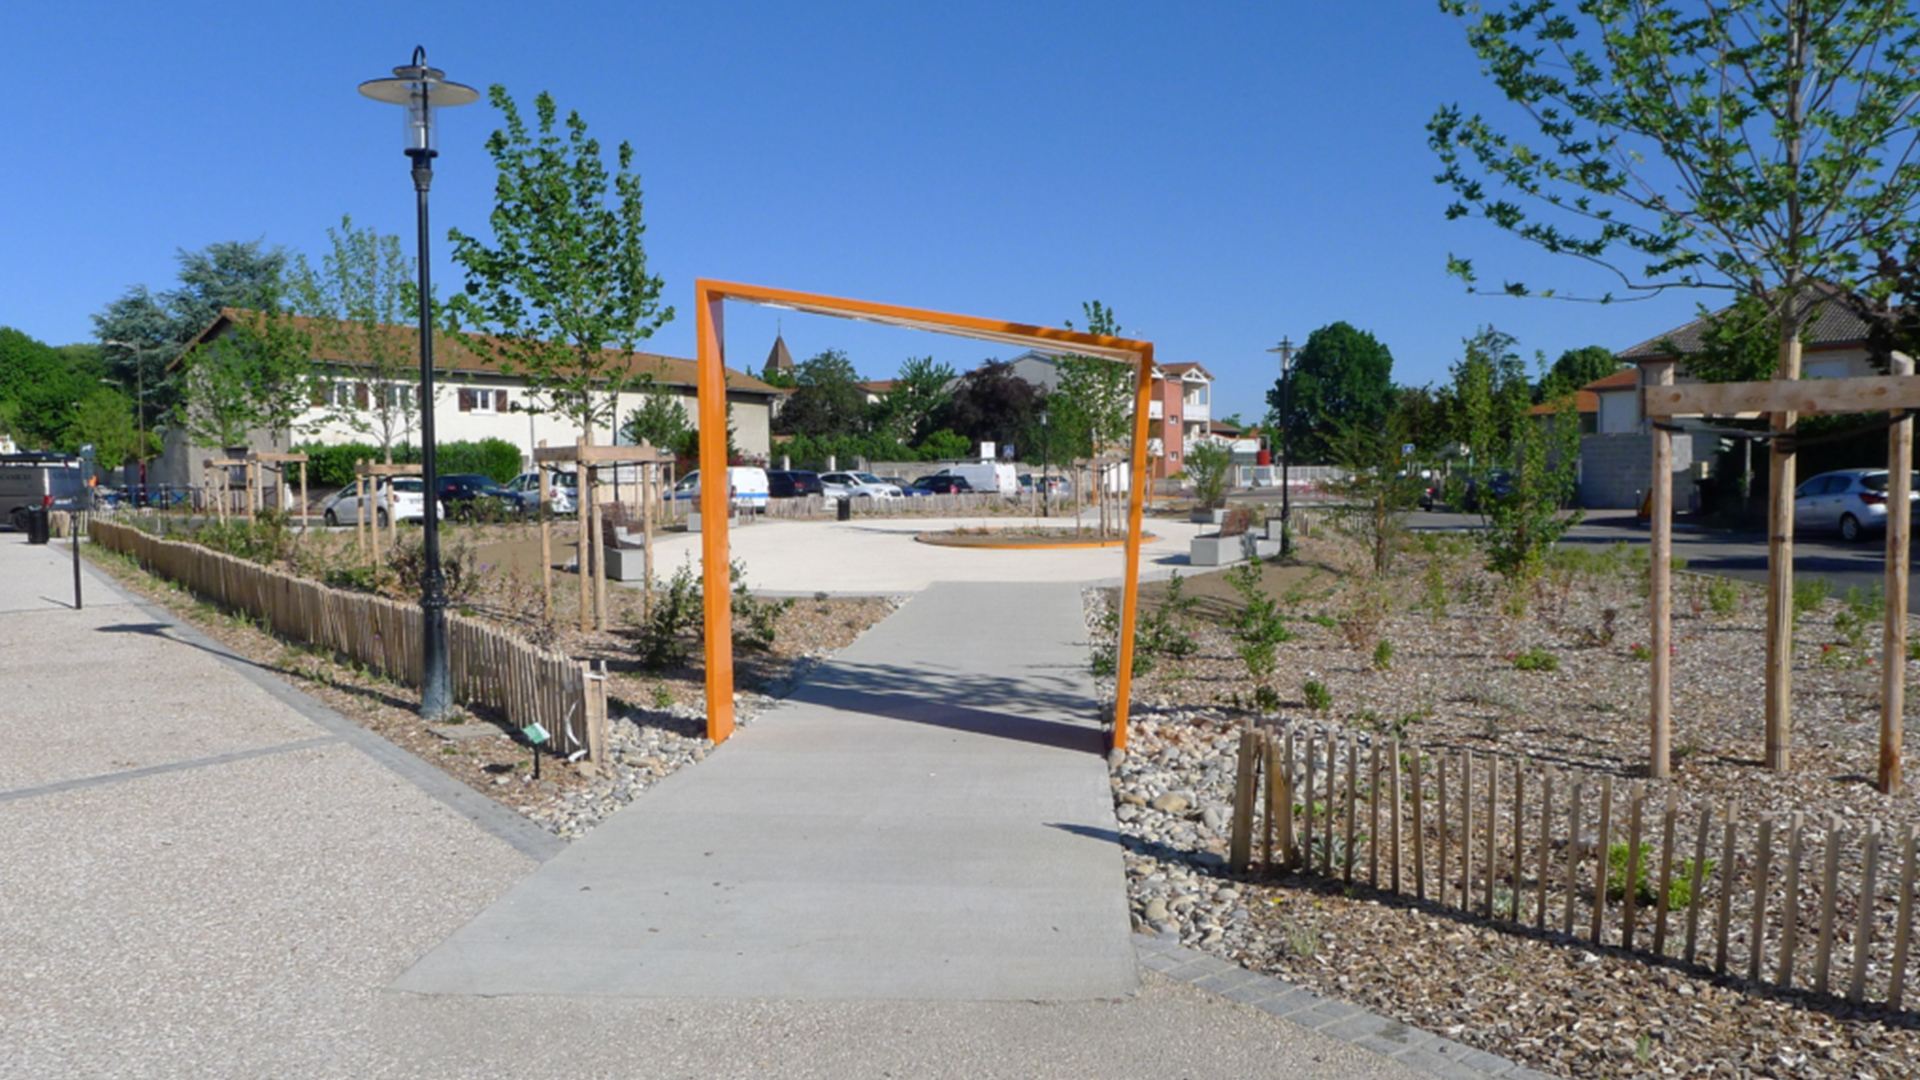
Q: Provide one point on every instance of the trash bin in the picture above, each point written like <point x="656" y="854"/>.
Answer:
<point x="37" y="531"/>
<point x="843" y="510"/>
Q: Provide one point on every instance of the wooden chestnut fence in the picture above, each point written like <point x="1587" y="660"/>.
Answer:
<point x="488" y="667"/>
<point x="1791" y="902"/>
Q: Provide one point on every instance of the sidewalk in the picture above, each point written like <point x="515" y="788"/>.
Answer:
<point x="210" y="874"/>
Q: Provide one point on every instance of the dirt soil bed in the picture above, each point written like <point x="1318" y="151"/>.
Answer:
<point x="1449" y="680"/>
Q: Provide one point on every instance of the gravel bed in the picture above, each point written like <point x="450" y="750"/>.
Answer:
<point x="1556" y="1004"/>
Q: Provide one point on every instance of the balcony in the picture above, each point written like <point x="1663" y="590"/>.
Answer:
<point x="1193" y="410"/>
<point x="1155" y="409"/>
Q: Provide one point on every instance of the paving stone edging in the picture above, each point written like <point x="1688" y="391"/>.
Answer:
<point x="1409" y="1046"/>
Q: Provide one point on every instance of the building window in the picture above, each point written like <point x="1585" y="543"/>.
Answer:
<point x="472" y="400"/>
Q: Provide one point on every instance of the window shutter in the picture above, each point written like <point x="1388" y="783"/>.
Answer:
<point x="360" y="395"/>
<point x="317" y="393"/>
<point x="466" y="401"/>
<point x="500" y="400"/>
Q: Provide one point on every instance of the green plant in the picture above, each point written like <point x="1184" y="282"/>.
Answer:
<point x="756" y="622"/>
<point x="662" y="697"/>
<point x="1646" y="885"/>
<point x="1536" y="659"/>
<point x="1437" y="595"/>
<point x="1258" y="627"/>
<point x="1723" y="596"/>
<point x="1864" y="610"/>
<point x="664" y="641"/>
<point x="1327" y="621"/>
<point x="1316" y="695"/>
<point x="1382" y="655"/>
<point x="1640" y="652"/>
<point x="1207" y="466"/>
<point x="1266" y="699"/>
<point x="1808" y="594"/>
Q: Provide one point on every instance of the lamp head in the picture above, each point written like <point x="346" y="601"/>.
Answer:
<point x="421" y="90"/>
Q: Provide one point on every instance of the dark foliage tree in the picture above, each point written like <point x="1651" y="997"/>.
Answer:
<point x="1342" y="376"/>
<point x="992" y="404"/>
<point x="1575" y="369"/>
<point x="827" y="398"/>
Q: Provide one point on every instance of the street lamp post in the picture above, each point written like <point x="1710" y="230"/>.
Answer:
<point x="421" y="90"/>
<point x="1286" y="351"/>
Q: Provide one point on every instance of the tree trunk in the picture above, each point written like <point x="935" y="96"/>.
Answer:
<point x="1781" y="482"/>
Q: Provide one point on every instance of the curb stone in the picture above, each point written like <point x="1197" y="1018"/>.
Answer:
<point x="1409" y="1046"/>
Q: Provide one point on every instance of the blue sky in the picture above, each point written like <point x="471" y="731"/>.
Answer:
<point x="1219" y="174"/>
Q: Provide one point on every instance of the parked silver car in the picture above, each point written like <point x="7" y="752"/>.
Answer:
<point x="1852" y="502"/>
<point x="854" y="485"/>
<point x="560" y="490"/>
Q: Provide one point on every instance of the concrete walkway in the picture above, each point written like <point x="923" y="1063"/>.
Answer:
<point x="929" y="817"/>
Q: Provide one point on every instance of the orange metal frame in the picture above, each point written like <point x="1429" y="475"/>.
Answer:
<point x="709" y="313"/>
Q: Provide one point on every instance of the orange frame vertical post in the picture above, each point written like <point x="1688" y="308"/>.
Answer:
<point x="715" y="558"/>
<point x="710" y="296"/>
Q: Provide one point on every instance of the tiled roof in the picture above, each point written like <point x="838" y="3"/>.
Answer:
<point x="1619" y="380"/>
<point x="450" y="354"/>
<point x="878" y="386"/>
<point x="1584" y="402"/>
<point x="1834" y="324"/>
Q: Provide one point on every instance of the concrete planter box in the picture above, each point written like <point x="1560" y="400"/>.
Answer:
<point x="625" y="564"/>
<point x="1227" y="550"/>
<point x="1208" y="517"/>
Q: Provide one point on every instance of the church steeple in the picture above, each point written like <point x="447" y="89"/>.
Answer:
<point x="779" y="360"/>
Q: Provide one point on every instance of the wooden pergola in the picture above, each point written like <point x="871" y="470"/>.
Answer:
<point x="366" y="519"/>
<point x="256" y="464"/>
<point x="588" y="460"/>
<point x="1785" y="400"/>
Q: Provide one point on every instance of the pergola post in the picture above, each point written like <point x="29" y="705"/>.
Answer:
<point x="1893" y="653"/>
<point x="1660" y="593"/>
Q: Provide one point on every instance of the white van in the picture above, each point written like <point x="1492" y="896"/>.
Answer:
<point x="747" y="482"/>
<point x="987" y="476"/>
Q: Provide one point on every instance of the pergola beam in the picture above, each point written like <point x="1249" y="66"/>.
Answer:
<point x="1806" y="397"/>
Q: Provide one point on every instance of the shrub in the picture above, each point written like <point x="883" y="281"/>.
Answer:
<point x="1723" y="596"/>
<point x="332" y="466"/>
<point x="1864" y="611"/>
<point x="1639" y="652"/>
<point x="1809" y="594"/>
<point x="1316" y="695"/>
<point x="665" y="640"/>
<point x="1536" y="659"/>
<point x="1382" y="655"/>
<point x="1258" y="626"/>
<point x="265" y="539"/>
<point x="1646" y="884"/>
<point x="1207" y="467"/>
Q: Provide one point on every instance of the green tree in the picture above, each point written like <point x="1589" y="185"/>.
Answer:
<point x="659" y="421"/>
<point x="105" y="420"/>
<point x="1575" y="369"/>
<point x="1377" y="493"/>
<point x="1342" y="376"/>
<point x="1092" y="406"/>
<point x="42" y="386"/>
<point x="1763" y="147"/>
<point x="1207" y="466"/>
<point x="154" y="330"/>
<point x="564" y="297"/>
<point x="827" y="398"/>
<point x="1490" y="395"/>
<point x="919" y="391"/>
<point x="364" y="289"/>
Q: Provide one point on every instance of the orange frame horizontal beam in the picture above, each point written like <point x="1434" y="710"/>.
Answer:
<point x="709" y="314"/>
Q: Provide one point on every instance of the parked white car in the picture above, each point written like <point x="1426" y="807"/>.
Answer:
<point x="402" y="497"/>
<point x="856" y="485"/>
<point x="561" y="490"/>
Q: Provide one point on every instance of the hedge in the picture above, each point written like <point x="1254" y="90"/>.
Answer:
<point x="332" y="466"/>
